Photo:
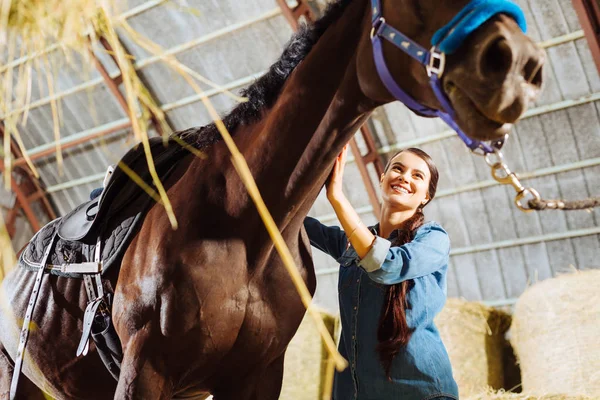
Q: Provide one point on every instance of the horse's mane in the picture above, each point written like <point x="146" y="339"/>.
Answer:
<point x="264" y="92"/>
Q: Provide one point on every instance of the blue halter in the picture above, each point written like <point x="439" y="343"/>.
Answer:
<point x="445" y="41"/>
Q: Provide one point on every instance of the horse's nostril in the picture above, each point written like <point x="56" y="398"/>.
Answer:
<point x="449" y="87"/>
<point x="497" y="58"/>
<point x="532" y="72"/>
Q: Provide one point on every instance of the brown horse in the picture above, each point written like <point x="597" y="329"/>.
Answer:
<point x="209" y="308"/>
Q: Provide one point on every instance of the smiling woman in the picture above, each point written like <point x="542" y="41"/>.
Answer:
<point x="392" y="283"/>
<point x="214" y="295"/>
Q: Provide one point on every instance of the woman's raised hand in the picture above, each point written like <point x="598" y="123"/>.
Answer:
<point x="334" y="183"/>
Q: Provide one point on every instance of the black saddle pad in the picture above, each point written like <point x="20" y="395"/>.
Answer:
<point x="122" y="209"/>
<point x="113" y="247"/>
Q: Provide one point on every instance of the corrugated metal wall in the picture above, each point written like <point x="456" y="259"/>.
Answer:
<point x="497" y="250"/>
<point x="228" y="42"/>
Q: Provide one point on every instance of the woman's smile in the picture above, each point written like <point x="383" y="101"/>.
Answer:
<point x="401" y="189"/>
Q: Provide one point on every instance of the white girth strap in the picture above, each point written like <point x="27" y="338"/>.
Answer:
<point x="28" y="314"/>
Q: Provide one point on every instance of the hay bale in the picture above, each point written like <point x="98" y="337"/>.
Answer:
<point x="502" y="395"/>
<point x="474" y="337"/>
<point x="306" y="361"/>
<point x="512" y="373"/>
<point x="555" y="335"/>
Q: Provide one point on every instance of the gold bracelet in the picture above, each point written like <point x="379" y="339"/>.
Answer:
<point x="354" y="230"/>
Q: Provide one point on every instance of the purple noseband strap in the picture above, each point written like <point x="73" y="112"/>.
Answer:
<point x="449" y="38"/>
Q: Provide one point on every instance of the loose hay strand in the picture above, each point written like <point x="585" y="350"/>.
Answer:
<point x="7" y="159"/>
<point x="8" y="259"/>
<point x="132" y="87"/>
<point x="17" y="137"/>
<point x="172" y="60"/>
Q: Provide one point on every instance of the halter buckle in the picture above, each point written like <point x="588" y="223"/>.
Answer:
<point x="376" y="26"/>
<point x="437" y="62"/>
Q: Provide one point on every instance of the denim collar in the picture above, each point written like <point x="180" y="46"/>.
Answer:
<point x="375" y="231"/>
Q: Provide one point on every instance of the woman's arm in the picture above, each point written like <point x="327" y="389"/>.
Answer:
<point x="359" y="235"/>
<point x="427" y="253"/>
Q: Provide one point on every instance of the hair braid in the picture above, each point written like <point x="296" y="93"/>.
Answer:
<point x="393" y="332"/>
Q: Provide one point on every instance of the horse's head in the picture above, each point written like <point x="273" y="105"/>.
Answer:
<point x="489" y="79"/>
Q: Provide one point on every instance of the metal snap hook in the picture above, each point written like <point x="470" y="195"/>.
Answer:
<point x="527" y="192"/>
<point x="494" y="158"/>
<point x="501" y="173"/>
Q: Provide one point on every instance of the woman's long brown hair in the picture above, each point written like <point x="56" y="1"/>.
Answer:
<point x="393" y="332"/>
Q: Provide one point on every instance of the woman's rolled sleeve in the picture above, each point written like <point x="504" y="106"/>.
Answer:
<point x="377" y="255"/>
<point x="425" y="254"/>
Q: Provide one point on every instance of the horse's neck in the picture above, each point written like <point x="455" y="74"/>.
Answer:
<point x="317" y="112"/>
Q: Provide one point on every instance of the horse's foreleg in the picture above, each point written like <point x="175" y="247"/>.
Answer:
<point x="6" y="371"/>
<point x="269" y="385"/>
<point x="26" y="389"/>
<point x="265" y="384"/>
<point x="141" y="376"/>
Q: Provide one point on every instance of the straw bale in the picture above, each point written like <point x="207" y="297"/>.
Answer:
<point x="474" y="337"/>
<point x="555" y="335"/>
<point x="306" y="360"/>
<point x="502" y="395"/>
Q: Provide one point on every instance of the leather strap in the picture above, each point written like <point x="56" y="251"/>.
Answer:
<point x="26" y="322"/>
<point x="88" y="319"/>
<point x="475" y="13"/>
<point x="95" y="294"/>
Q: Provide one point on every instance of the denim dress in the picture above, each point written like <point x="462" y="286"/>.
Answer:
<point x="421" y="370"/>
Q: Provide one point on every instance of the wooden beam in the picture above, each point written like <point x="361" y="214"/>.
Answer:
<point x="588" y="12"/>
<point x="113" y="85"/>
<point x="25" y="206"/>
<point x="11" y="218"/>
<point x="23" y="190"/>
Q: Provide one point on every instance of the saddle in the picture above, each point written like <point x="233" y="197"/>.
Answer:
<point x="92" y="238"/>
<point x="107" y="223"/>
<point x="86" y="220"/>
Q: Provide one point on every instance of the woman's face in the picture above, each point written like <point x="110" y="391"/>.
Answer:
<point x="405" y="184"/>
